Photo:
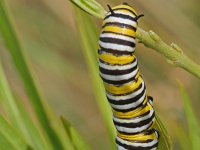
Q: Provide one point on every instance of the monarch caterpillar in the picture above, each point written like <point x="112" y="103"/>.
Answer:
<point x="133" y="113"/>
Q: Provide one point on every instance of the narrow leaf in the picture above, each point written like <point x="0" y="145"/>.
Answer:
<point x="5" y="143"/>
<point x="18" y="116"/>
<point x="75" y="137"/>
<point x="12" y="42"/>
<point x="89" y="41"/>
<point x="193" y="126"/>
<point x="182" y="137"/>
<point x="165" y="142"/>
<point x="91" y="7"/>
<point x="10" y="139"/>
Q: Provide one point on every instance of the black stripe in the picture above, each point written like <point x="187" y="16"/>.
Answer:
<point x="129" y="147"/>
<point x="125" y="133"/>
<point x="126" y="9"/>
<point x="119" y="24"/>
<point x="115" y="52"/>
<point x="130" y="109"/>
<point x="128" y="101"/>
<point x="117" y="71"/>
<point x="142" y="114"/>
<point x="121" y="16"/>
<point x="131" y="80"/>
<point x="112" y="52"/>
<point x="135" y="125"/>
<point x="120" y="82"/>
<point x="146" y="132"/>
<point x="150" y="98"/>
<point x="118" y="34"/>
<point x="117" y="41"/>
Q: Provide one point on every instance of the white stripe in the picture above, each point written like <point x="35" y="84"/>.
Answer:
<point x="134" y="120"/>
<point x="121" y="20"/>
<point x="133" y="130"/>
<point x="118" y="67"/>
<point x="119" y="77"/>
<point x="149" y="144"/>
<point x="117" y="47"/>
<point x="156" y="134"/>
<point x="132" y="95"/>
<point x="120" y="148"/>
<point x="131" y="105"/>
<point x="121" y="37"/>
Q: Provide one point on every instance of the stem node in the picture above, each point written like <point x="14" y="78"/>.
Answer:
<point x="154" y="36"/>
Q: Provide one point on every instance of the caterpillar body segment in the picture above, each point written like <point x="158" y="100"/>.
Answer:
<point x="133" y="113"/>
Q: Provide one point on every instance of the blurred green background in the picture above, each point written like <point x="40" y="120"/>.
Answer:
<point x="48" y="34"/>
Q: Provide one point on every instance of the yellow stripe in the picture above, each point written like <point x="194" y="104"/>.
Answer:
<point x="126" y="88"/>
<point x="138" y="137"/>
<point x="135" y="113"/>
<point x="120" y="30"/>
<point x="126" y="7"/>
<point x="114" y="60"/>
<point x="137" y="75"/>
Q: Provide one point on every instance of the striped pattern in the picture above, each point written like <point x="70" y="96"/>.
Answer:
<point x="133" y="113"/>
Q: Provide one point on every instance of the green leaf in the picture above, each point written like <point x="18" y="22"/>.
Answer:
<point x="165" y="142"/>
<point x="53" y="129"/>
<point x="89" y="41"/>
<point x="19" y="117"/>
<point x="182" y="137"/>
<point x="10" y="139"/>
<point x="91" y="7"/>
<point x="193" y="126"/>
<point x="75" y="137"/>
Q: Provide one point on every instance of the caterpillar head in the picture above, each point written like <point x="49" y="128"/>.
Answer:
<point x="123" y="11"/>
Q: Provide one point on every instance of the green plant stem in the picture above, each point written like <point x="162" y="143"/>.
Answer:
<point x="173" y="53"/>
<point x="89" y="39"/>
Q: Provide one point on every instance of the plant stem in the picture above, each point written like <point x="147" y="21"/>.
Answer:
<point x="173" y="53"/>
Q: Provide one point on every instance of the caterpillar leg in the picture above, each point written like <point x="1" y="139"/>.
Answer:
<point x="150" y="100"/>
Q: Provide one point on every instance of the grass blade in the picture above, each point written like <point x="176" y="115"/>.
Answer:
<point x="91" y="7"/>
<point x="89" y="40"/>
<point x="193" y="126"/>
<point x="10" y="139"/>
<point x="165" y="142"/>
<point x="182" y="137"/>
<point x="75" y="137"/>
<point x="19" y="117"/>
<point x="14" y="47"/>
